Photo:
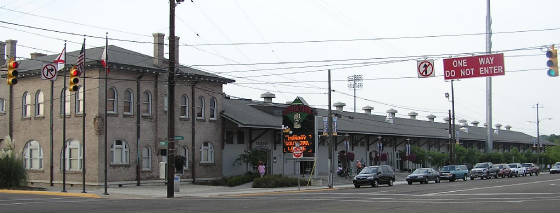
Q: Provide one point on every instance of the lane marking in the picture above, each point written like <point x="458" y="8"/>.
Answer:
<point x="65" y="194"/>
<point x="489" y="187"/>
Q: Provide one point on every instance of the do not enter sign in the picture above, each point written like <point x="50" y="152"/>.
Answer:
<point x="297" y="152"/>
<point x="475" y="66"/>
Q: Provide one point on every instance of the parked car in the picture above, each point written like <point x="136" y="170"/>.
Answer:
<point x="374" y="176"/>
<point x="423" y="175"/>
<point x="557" y="164"/>
<point x="484" y="170"/>
<point x="555" y="169"/>
<point x="504" y="171"/>
<point x="453" y="172"/>
<point x="531" y="168"/>
<point x="517" y="169"/>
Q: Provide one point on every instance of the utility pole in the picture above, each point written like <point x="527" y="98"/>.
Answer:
<point x="490" y="139"/>
<point x="171" y="103"/>
<point x="454" y="133"/>
<point x="331" y="140"/>
<point x="355" y="82"/>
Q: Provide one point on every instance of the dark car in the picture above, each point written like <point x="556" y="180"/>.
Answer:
<point x="454" y="172"/>
<point x="531" y="168"/>
<point x="504" y="171"/>
<point x="423" y="175"/>
<point x="484" y="170"/>
<point x="375" y="175"/>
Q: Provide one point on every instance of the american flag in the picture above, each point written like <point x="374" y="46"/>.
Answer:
<point x="82" y="59"/>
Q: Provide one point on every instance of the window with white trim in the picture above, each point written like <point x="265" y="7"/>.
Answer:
<point x="79" y="96"/>
<point x="200" y="107"/>
<point x="146" y="158"/>
<point x="119" y="152"/>
<point x="39" y="103"/>
<point x="207" y="153"/>
<point x="112" y="100"/>
<point x="184" y="106"/>
<point x="185" y="153"/>
<point x="26" y="105"/>
<point x="147" y="109"/>
<point x="213" y="108"/>
<point x="33" y="155"/>
<point x="62" y="104"/>
<point x="128" y="102"/>
<point x="73" y="156"/>
<point x="2" y="105"/>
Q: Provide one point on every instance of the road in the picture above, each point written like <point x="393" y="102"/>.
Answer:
<point x="523" y="194"/>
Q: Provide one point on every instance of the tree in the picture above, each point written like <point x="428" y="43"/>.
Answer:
<point x="420" y="155"/>
<point x="251" y="157"/>
<point x="438" y="159"/>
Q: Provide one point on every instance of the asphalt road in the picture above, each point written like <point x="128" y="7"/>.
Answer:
<point x="523" y="194"/>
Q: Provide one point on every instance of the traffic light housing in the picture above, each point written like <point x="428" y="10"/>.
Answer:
<point x="11" y="78"/>
<point x="552" y="63"/>
<point x="74" y="80"/>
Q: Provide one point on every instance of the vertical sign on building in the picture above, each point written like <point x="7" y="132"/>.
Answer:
<point x="299" y="122"/>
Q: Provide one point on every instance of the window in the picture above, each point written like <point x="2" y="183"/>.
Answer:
<point x="33" y="155"/>
<point x="39" y="103"/>
<point x="185" y="153"/>
<point x="147" y="103"/>
<point x="207" y="153"/>
<point x="64" y="106"/>
<point x="128" y="102"/>
<point x="112" y="100"/>
<point x="240" y="137"/>
<point x="119" y="152"/>
<point x="213" y="108"/>
<point x="165" y="103"/>
<point x="146" y="158"/>
<point x="79" y="106"/>
<point x="73" y="156"/>
<point x="26" y="105"/>
<point x="200" y="108"/>
<point x="229" y="137"/>
<point x="2" y="105"/>
<point x="184" y="106"/>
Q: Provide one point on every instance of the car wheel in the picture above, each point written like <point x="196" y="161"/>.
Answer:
<point x="374" y="184"/>
<point x="530" y="174"/>
<point x="465" y="178"/>
<point x="536" y="173"/>
<point x="391" y="182"/>
<point x="356" y="185"/>
<point x="437" y="179"/>
<point x="472" y="178"/>
<point x="409" y="182"/>
<point x="426" y="181"/>
<point x="482" y="178"/>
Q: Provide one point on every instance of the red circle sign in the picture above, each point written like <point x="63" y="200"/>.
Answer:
<point x="297" y="152"/>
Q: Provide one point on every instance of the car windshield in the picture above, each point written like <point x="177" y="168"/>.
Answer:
<point x="481" y="165"/>
<point x="448" y="168"/>
<point x="420" y="171"/>
<point x="526" y="165"/>
<point x="513" y="166"/>
<point x="556" y="166"/>
<point x="369" y="170"/>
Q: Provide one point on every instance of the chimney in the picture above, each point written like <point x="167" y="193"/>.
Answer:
<point x="508" y="127"/>
<point x="159" y="44"/>
<point x="2" y="53"/>
<point x="485" y="125"/>
<point x="268" y="97"/>
<point x="11" y="49"/>
<point x="413" y="115"/>
<point x="176" y="50"/>
<point x="475" y="123"/>
<point x="391" y="115"/>
<point x="431" y="118"/>
<point x="498" y="126"/>
<point x="367" y="109"/>
<point x="339" y="106"/>
<point x="37" y="55"/>
<point x="463" y="122"/>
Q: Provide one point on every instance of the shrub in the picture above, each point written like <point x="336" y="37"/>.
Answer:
<point x="12" y="172"/>
<point x="273" y="181"/>
<point x="233" y="180"/>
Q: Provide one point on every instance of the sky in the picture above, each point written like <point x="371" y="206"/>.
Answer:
<point x="285" y="47"/>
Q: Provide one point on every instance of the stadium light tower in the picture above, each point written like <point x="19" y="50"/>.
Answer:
<point x="355" y="82"/>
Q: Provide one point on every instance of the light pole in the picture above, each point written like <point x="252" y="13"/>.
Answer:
<point x="355" y="82"/>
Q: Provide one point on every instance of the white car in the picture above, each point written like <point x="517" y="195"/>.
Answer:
<point x="517" y="169"/>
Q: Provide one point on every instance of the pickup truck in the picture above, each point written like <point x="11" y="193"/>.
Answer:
<point x="485" y="170"/>
<point x="531" y="168"/>
<point x="517" y="169"/>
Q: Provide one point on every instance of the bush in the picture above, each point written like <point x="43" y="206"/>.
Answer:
<point x="233" y="180"/>
<point x="12" y="172"/>
<point x="273" y="181"/>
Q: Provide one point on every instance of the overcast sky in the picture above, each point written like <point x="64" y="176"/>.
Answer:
<point x="260" y="44"/>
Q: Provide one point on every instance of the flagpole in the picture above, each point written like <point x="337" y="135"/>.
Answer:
<point x="84" y="121"/>
<point x="105" y="114"/>
<point x="64" y="124"/>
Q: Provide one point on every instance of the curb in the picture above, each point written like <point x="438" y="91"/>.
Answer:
<point x="279" y="192"/>
<point x="65" y="194"/>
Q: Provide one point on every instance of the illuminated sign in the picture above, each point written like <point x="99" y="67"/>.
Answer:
<point x="298" y="121"/>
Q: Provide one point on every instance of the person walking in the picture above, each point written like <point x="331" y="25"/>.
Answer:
<point x="359" y="167"/>
<point x="261" y="168"/>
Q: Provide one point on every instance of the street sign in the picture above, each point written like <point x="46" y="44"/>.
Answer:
<point x="163" y="143"/>
<point x="179" y="138"/>
<point x="474" y="66"/>
<point x="297" y="152"/>
<point x="425" y="68"/>
<point x="48" y="72"/>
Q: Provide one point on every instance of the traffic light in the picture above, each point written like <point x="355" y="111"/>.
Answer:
<point x="74" y="80"/>
<point x="552" y="63"/>
<point x="11" y="78"/>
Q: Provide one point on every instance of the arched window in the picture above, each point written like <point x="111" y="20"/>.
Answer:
<point x="62" y="105"/>
<point x="200" y="108"/>
<point x="112" y="100"/>
<point x="184" y="106"/>
<point x="26" y="105"/>
<point x="79" y="106"/>
<point x="2" y="105"/>
<point x="73" y="156"/>
<point x="146" y="158"/>
<point x="33" y="155"/>
<point x="39" y="103"/>
<point x="128" y="102"/>
<point x="119" y="152"/>
<point x="207" y="153"/>
<point x="213" y="108"/>
<point x="185" y="153"/>
<point x="147" y="103"/>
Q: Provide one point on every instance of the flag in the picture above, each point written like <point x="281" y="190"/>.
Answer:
<point x="80" y="63"/>
<point x="104" y="59"/>
<point x="60" y="60"/>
